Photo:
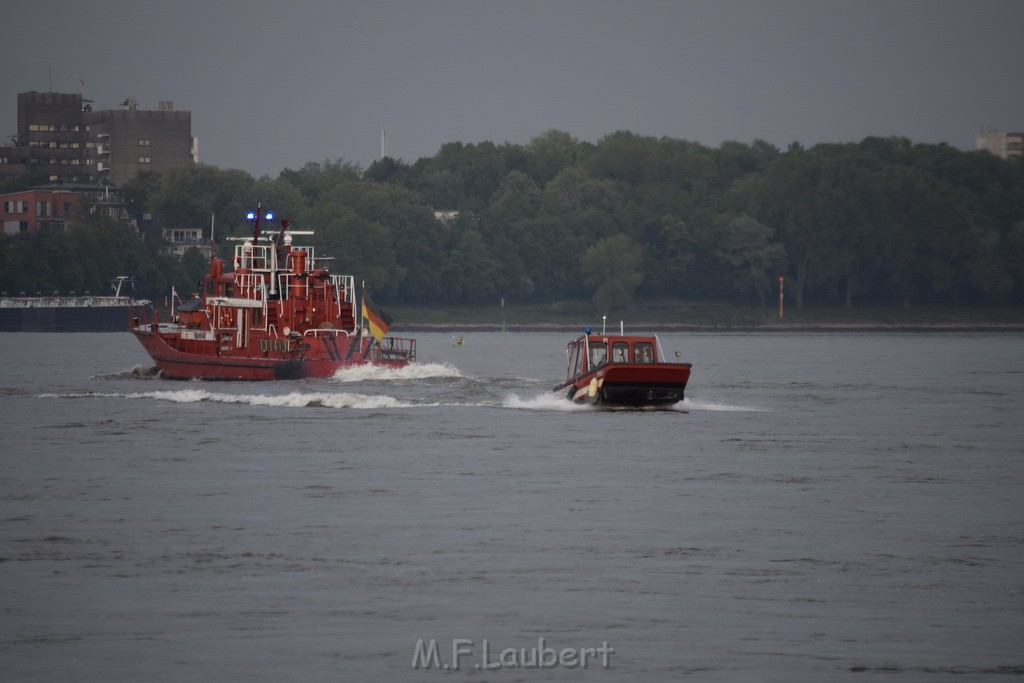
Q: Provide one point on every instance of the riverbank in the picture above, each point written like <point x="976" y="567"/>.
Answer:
<point x="696" y="317"/>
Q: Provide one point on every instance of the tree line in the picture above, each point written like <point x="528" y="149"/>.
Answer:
<point x="880" y="222"/>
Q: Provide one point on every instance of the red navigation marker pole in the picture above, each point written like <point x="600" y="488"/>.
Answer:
<point x="780" y="297"/>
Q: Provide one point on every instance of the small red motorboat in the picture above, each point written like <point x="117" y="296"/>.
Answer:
<point x="278" y="315"/>
<point x="622" y="370"/>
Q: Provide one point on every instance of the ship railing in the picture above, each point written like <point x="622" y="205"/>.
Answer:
<point x="345" y="285"/>
<point x="284" y="284"/>
<point x="310" y="253"/>
<point x="253" y="257"/>
<point x="238" y="303"/>
<point x="394" y="349"/>
<point x="251" y="286"/>
<point x="64" y="301"/>
<point x="332" y="331"/>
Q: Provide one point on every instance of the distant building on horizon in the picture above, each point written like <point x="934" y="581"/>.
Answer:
<point x="1003" y="145"/>
<point x="130" y="141"/>
<point x="62" y="140"/>
<point x="37" y="211"/>
<point x="53" y="208"/>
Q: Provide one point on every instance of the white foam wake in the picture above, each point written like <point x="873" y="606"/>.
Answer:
<point x="690" y="404"/>
<point x="292" y="400"/>
<point x="545" y="401"/>
<point x="413" y="371"/>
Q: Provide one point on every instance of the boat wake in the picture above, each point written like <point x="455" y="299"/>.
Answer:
<point x="688" y="404"/>
<point x="291" y="400"/>
<point x="546" y="401"/>
<point x="329" y="400"/>
<point x="413" y="371"/>
<point x="136" y="372"/>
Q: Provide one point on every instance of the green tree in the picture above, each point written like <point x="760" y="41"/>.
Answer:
<point x="747" y="247"/>
<point x="613" y="268"/>
<point x="552" y="152"/>
<point x="315" y="179"/>
<point x="418" y="239"/>
<point x="470" y="273"/>
<point x="191" y="195"/>
<point x="359" y="247"/>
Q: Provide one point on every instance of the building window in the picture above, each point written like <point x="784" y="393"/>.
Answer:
<point x="143" y="143"/>
<point x="143" y="160"/>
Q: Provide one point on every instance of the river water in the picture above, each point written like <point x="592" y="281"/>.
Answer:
<point x="820" y="507"/>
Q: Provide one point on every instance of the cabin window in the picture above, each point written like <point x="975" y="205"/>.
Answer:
<point x="643" y="352"/>
<point x="257" y="317"/>
<point x="574" y="360"/>
<point x="620" y="352"/>
<point x="229" y="289"/>
<point x="598" y="354"/>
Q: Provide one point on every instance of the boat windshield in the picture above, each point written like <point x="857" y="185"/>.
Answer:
<point x="574" y="352"/>
<point x="643" y="352"/>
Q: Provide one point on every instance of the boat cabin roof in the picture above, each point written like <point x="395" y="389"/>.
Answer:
<point x="590" y="351"/>
<point x="630" y="339"/>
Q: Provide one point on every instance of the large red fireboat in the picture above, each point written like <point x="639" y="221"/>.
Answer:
<point x="277" y="315"/>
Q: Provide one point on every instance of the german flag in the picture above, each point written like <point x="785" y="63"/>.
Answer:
<point x="376" y="319"/>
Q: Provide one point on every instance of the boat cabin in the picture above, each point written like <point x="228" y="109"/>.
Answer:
<point x="591" y="351"/>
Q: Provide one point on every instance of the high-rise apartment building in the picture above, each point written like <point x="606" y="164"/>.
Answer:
<point x="130" y="141"/>
<point x="1005" y="145"/>
<point x="62" y="140"/>
<point x="52" y="142"/>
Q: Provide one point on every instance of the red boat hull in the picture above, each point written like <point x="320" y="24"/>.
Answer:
<point x="324" y="356"/>
<point x="632" y="385"/>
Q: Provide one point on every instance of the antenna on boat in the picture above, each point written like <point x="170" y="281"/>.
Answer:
<point x="255" y="218"/>
<point x="212" y="242"/>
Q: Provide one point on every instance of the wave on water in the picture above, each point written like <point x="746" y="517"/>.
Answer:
<point x="136" y="372"/>
<point x="413" y="371"/>
<point x="558" y="402"/>
<point x="688" y="404"/>
<point x="545" y="401"/>
<point x="292" y="400"/>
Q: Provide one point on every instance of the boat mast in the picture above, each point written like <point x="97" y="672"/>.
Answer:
<point x="212" y="243"/>
<point x="256" y="224"/>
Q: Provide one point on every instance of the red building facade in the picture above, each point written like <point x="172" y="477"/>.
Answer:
<point x="36" y="211"/>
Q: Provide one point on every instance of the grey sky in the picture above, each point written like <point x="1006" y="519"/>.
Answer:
<point x="276" y="84"/>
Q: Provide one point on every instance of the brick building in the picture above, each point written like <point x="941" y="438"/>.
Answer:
<point x="34" y="211"/>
